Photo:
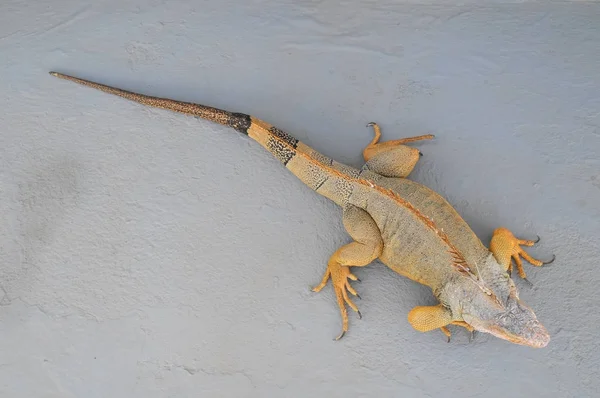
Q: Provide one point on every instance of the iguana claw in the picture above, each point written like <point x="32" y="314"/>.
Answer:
<point x="446" y="331"/>
<point x="553" y="256"/>
<point x="472" y="335"/>
<point x="472" y="332"/>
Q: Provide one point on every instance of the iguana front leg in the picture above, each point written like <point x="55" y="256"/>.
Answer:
<point x="367" y="246"/>
<point x="392" y="158"/>
<point x="506" y="247"/>
<point x="428" y="318"/>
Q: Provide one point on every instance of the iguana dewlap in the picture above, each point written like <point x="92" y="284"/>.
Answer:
<point x="409" y="227"/>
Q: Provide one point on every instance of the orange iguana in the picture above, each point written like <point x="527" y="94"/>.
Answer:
<point x="410" y="228"/>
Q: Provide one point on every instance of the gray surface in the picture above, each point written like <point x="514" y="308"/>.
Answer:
<point x="146" y="254"/>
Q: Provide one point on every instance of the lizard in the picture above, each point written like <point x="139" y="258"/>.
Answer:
<point x="407" y="226"/>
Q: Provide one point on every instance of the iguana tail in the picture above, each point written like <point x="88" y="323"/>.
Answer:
<point x="317" y="171"/>
<point x="238" y="121"/>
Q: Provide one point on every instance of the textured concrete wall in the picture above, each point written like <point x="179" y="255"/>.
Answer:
<point x="147" y="254"/>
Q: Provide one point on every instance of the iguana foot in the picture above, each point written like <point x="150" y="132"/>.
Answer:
<point x="340" y="279"/>
<point x="465" y="325"/>
<point x="506" y="247"/>
<point x="392" y="158"/>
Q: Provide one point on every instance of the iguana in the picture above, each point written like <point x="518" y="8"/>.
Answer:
<point x="407" y="226"/>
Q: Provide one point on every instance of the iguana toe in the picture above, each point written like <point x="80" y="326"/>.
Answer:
<point x="340" y="278"/>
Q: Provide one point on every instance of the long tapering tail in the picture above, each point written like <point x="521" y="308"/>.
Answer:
<point x="320" y="173"/>
<point x="238" y="121"/>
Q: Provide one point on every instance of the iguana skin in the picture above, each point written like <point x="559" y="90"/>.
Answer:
<point x="409" y="227"/>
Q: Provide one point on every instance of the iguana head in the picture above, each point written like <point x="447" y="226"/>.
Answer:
<point x="494" y="307"/>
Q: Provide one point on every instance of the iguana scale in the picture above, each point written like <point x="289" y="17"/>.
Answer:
<point x="409" y="227"/>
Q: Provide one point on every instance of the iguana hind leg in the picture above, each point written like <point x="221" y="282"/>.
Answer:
<point x="506" y="247"/>
<point x="392" y="158"/>
<point x="367" y="246"/>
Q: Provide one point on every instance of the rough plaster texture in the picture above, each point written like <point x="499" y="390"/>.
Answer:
<point x="146" y="254"/>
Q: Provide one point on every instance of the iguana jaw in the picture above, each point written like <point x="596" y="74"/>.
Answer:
<point x="536" y="336"/>
<point x="518" y="324"/>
